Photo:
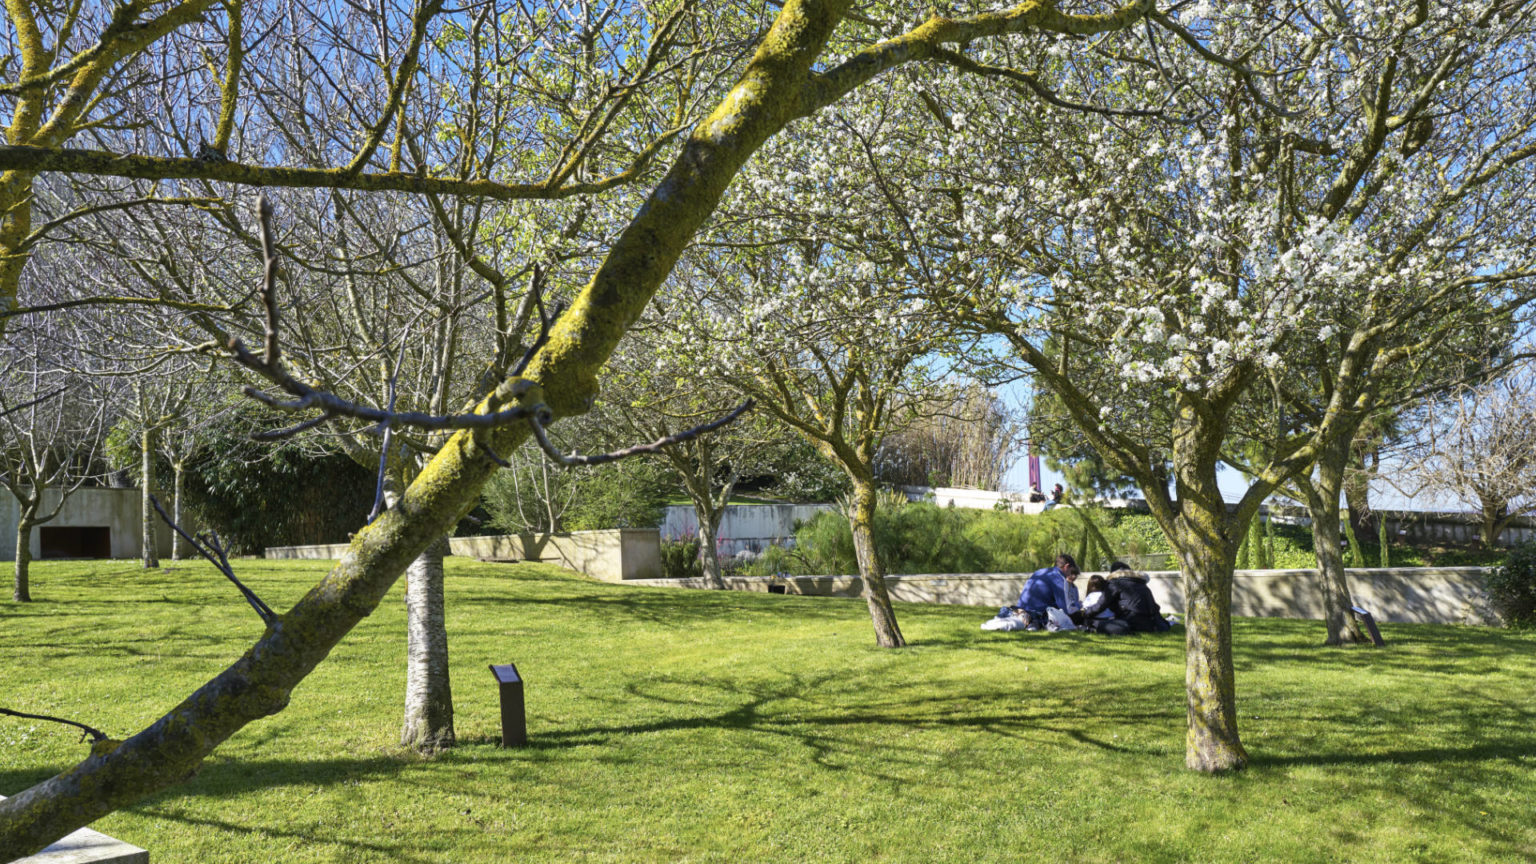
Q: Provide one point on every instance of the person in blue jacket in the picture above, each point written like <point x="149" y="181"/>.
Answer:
<point x="1046" y="588"/>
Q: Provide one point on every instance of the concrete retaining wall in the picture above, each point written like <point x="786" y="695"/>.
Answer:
<point x="317" y="552"/>
<point x="613" y="556"/>
<point x="117" y="510"/>
<point x="744" y="527"/>
<point x="1425" y="595"/>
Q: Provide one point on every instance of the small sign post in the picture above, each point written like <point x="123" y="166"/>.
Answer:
<point x="514" y="716"/>
<point x="1370" y="625"/>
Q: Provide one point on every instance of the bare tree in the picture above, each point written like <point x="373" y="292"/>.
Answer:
<point x="969" y="443"/>
<point x="1481" y="448"/>
<point x="157" y="404"/>
<point x="51" y="424"/>
<point x="652" y="389"/>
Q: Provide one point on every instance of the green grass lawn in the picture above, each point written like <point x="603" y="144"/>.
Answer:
<point x="697" y="726"/>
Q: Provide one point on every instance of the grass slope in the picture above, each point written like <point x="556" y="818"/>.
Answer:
<point x="696" y="726"/>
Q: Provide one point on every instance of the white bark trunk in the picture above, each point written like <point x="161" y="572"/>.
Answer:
<point x="150" y="555"/>
<point x="428" y="722"/>
<point x="176" y="511"/>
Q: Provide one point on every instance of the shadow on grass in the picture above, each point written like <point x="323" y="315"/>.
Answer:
<point x="1516" y="750"/>
<point x="223" y="777"/>
<point x="1415" y="648"/>
<point x="664" y="607"/>
<point x="395" y="851"/>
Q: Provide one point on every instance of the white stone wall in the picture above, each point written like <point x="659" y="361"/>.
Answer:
<point x="745" y="527"/>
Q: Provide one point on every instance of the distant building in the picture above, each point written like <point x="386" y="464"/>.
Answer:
<point x="95" y="523"/>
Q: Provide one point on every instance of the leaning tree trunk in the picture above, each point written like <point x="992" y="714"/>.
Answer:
<point x="151" y="555"/>
<point x="1323" y="505"/>
<point x="1206" y="555"/>
<point x="176" y="484"/>
<point x="22" y="589"/>
<point x="861" y="519"/>
<point x="1343" y="629"/>
<point x="428" y="696"/>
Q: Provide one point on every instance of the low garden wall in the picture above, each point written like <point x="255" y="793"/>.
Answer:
<point x="308" y="553"/>
<point x="1423" y="595"/>
<point x="612" y="556"/>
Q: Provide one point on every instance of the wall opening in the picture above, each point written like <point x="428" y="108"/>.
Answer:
<point x="75" y="542"/>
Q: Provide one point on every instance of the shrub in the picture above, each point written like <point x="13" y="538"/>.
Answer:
<point x="628" y="494"/>
<point x="1512" y="587"/>
<point x="924" y="538"/>
<point x="258" y="494"/>
<point x="680" y="560"/>
<point x="775" y="559"/>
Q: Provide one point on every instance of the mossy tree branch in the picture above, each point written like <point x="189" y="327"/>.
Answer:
<point x="770" y="93"/>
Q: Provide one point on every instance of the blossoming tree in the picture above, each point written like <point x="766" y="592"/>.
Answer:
<point x="1292" y="255"/>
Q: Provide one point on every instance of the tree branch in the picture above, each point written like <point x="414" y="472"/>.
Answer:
<point x="96" y="734"/>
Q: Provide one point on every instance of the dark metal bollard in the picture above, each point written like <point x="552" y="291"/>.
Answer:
<point x="514" y="717"/>
<point x="1370" y="625"/>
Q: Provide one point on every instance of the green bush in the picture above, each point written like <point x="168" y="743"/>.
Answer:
<point x="680" y="559"/>
<point x="775" y="560"/>
<point x="923" y="538"/>
<point x="1512" y="587"/>
<point x="628" y="494"/>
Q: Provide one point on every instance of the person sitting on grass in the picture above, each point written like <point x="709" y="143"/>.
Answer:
<point x="1045" y="588"/>
<point x="1094" y="601"/>
<point x="1074" y="607"/>
<point x="1128" y="598"/>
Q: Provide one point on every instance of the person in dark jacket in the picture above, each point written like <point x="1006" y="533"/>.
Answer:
<point x="1128" y="597"/>
<point x="1131" y="599"/>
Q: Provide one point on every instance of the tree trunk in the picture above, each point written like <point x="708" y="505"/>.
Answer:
<point x="176" y="484"/>
<point x="22" y="590"/>
<point x="1206" y="556"/>
<point x="1357" y="495"/>
<point x="1381" y="539"/>
<point x="709" y="552"/>
<point x="861" y="519"/>
<point x="147" y="516"/>
<point x="1205" y="538"/>
<point x="1495" y="518"/>
<point x="1323" y="505"/>
<point x="428" y="696"/>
